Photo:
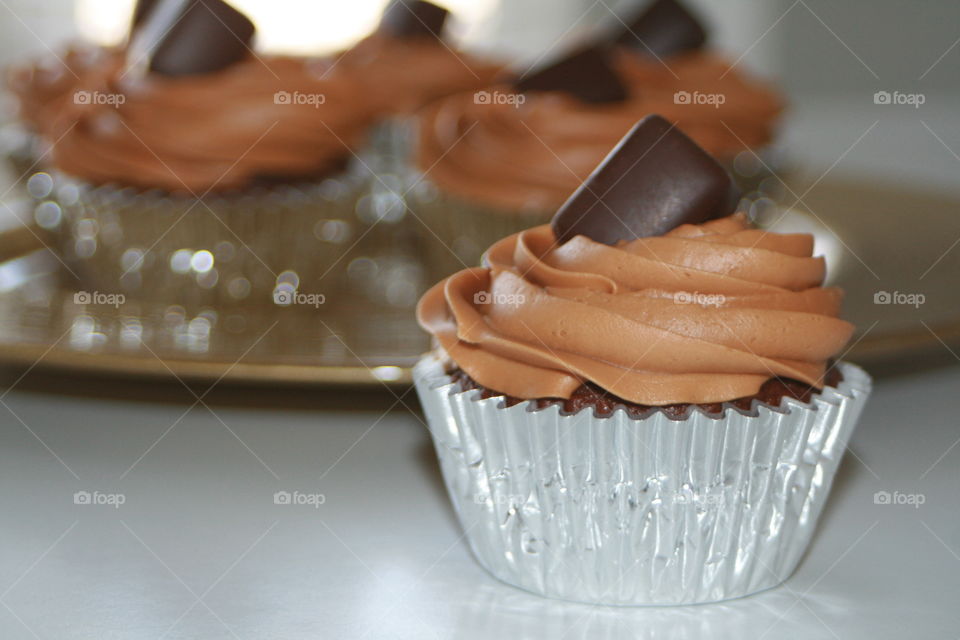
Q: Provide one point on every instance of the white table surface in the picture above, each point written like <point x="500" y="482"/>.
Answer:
<point x="200" y="550"/>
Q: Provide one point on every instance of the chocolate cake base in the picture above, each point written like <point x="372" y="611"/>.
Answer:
<point x="605" y="403"/>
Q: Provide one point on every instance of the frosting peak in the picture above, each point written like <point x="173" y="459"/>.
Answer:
<point x="705" y="313"/>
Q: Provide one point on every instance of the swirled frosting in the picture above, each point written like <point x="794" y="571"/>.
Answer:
<point x="723" y="109"/>
<point x="705" y="313"/>
<point x="193" y="133"/>
<point x="41" y="87"/>
<point x="402" y="75"/>
<point x="226" y="129"/>
<point x="531" y="155"/>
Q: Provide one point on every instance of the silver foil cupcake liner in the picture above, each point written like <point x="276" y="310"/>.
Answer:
<point x="389" y="147"/>
<point x="626" y="511"/>
<point x="252" y="246"/>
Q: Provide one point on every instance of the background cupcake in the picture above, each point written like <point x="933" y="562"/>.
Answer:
<point x="506" y="158"/>
<point x="499" y="160"/>
<point x="636" y="404"/>
<point x="661" y="55"/>
<point x="40" y="89"/>
<point x="188" y="166"/>
<point x="406" y="63"/>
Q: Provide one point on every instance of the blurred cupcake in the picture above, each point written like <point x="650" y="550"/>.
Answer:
<point x="406" y="63"/>
<point x="636" y="404"/>
<point x="503" y="159"/>
<point x="189" y="168"/>
<point x="40" y="88"/>
<point x="660" y="55"/>
<point x="723" y="110"/>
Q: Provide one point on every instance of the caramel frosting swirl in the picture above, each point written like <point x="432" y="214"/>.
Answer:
<point x="42" y="86"/>
<point x="261" y="117"/>
<point x="530" y="152"/>
<point x="403" y="75"/>
<point x="724" y="110"/>
<point x="706" y="313"/>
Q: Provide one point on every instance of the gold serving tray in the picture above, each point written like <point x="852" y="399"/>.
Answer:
<point x="875" y="239"/>
<point x="46" y="323"/>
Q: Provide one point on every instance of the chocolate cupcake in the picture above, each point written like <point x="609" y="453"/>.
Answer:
<point x="39" y="88"/>
<point x="187" y="168"/>
<point x="638" y="403"/>
<point x="504" y="159"/>
<point x="661" y="53"/>
<point x="408" y="62"/>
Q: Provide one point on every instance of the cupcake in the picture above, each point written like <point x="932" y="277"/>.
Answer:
<point x="406" y="63"/>
<point x="504" y="159"/>
<point x="638" y="404"/>
<point x="187" y="167"/>
<point x="39" y="89"/>
<point x="661" y="55"/>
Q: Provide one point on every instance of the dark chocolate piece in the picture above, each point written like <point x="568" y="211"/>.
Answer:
<point x="585" y="74"/>
<point x="202" y="36"/>
<point x="665" y="28"/>
<point x="654" y="180"/>
<point x="142" y="9"/>
<point x="413" y="19"/>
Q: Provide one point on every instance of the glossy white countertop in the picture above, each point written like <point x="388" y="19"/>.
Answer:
<point x="199" y="549"/>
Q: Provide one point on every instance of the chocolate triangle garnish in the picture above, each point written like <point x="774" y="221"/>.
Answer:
<point x="413" y="19"/>
<point x="586" y="74"/>
<point x="189" y="37"/>
<point x="654" y="180"/>
<point x="665" y="28"/>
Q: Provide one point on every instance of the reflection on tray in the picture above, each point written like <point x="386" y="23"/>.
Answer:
<point x="38" y="309"/>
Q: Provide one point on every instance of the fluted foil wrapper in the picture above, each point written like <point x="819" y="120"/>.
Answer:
<point x="260" y="241"/>
<point x="626" y="511"/>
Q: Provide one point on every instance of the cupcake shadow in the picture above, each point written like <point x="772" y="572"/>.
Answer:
<point x="425" y="459"/>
